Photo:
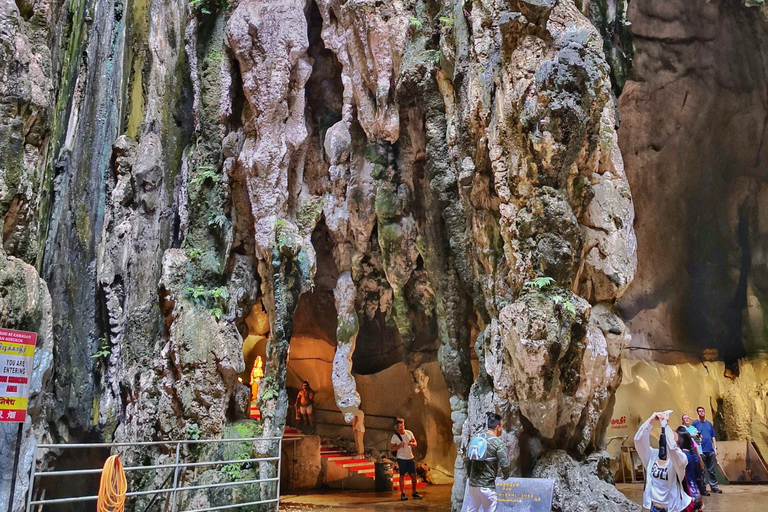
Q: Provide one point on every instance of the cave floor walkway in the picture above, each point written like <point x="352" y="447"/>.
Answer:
<point x="735" y="498"/>
<point x="741" y="498"/>
<point x="436" y="498"/>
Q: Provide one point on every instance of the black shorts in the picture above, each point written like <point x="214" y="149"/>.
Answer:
<point x="406" y="466"/>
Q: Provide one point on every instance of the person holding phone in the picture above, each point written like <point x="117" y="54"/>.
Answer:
<point x="664" y="468"/>
<point x="401" y="445"/>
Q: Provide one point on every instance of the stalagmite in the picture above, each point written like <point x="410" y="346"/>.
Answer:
<point x="344" y="387"/>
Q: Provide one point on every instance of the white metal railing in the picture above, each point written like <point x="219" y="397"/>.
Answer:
<point x="177" y="466"/>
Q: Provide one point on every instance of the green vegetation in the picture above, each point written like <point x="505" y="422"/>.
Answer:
<point x="545" y="283"/>
<point x="568" y="305"/>
<point x="373" y="155"/>
<point x="208" y="173"/>
<point x="193" y="431"/>
<point x="539" y="283"/>
<point x="268" y="389"/>
<point x="233" y="471"/>
<point x="193" y="253"/>
<point x="214" y="300"/>
<point x="432" y="55"/>
<point x="208" y="6"/>
<point x="104" y="349"/>
<point x="414" y="22"/>
<point x="446" y="21"/>
<point x="218" y="219"/>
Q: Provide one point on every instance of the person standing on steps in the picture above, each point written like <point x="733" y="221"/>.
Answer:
<point x="708" y="447"/>
<point x="664" y="468"/>
<point x="401" y="445"/>
<point x="487" y="455"/>
<point x="304" y="402"/>
<point x="358" y="429"/>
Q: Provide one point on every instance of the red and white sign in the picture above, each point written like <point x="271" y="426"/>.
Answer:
<point x="17" y="350"/>
<point x="619" y="423"/>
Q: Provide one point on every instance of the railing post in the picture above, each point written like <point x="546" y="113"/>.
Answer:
<point x="279" y="467"/>
<point x="175" y="476"/>
<point x="32" y="476"/>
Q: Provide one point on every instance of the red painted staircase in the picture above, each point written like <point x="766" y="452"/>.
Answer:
<point x="291" y="432"/>
<point x="338" y="456"/>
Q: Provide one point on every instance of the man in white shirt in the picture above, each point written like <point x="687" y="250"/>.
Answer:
<point x="358" y="429"/>
<point x="403" y="442"/>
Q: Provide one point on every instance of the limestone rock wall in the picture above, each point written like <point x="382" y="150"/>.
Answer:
<point x="694" y="143"/>
<point x="25" y="305"/>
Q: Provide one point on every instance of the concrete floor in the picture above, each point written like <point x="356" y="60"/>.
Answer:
<point x="735" y="498"/>
<point x="436" y="498"/>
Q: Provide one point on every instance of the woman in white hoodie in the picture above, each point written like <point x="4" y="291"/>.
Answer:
<point x="664" y="468"/>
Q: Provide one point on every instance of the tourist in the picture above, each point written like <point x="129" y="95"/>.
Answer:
<point x="304" y="402"/>
<point x="402" y="444"/>
<point x="487" y="456"/>
<point x="664" y="468"/>
<point x="696" y="440"/>
<point x="358" y="429"/>
<point x="708" y="447"/>
<point x="690" y="484"/>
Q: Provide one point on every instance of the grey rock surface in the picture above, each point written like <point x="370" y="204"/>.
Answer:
<point x="582" y="486"/>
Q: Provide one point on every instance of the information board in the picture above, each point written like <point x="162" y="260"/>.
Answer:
<point x="524" y="494"/>
<point x="17" y="350"/>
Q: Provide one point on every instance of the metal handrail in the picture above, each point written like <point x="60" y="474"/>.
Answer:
<point x="366" y="414"/>
<point x="177" y="466"/>
<point x="155" y="443"/>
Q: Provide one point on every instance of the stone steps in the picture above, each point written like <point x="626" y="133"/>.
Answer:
<point x="335" y="455"/>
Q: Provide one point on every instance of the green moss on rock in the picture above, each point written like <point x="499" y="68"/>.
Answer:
<point x="309" y="213"/>
<point x="387" y="204"/>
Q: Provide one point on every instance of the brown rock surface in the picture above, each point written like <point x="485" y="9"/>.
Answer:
<point x="693" y="139"/>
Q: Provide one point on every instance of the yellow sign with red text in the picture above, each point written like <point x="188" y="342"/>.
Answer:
<point x="17" y="350"/>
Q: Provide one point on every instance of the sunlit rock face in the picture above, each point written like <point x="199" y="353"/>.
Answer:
<point x="411" y="178"/>
<point x="735" y="405"/>
<point x="698" y="82"/>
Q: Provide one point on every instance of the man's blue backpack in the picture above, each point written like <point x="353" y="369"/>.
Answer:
<point x="478" y="449"/>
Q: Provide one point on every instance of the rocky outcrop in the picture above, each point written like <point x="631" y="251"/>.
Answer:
<point x="25" y="305"/>
<point x="27" y="67"/>
<point x="27" y="99"/>
<point x="699" y="81"/>
<point x="582" y="486"/>
<point x="563" y="206"/>
<point x="347" y="398"/>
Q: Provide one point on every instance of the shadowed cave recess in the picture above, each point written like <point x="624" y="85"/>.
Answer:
<point x="429" y="209"/>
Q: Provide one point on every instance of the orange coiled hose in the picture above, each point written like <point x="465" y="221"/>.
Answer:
<point x="112" y="487"/>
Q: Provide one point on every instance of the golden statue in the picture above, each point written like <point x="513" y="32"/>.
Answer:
<point x="256" y="374"/>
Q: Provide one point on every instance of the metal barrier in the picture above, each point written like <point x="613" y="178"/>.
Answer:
<point x="177" y="466"/>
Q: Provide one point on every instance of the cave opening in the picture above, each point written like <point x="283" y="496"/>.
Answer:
<point x="324" y="90"/>
<point x="54" y="487"/>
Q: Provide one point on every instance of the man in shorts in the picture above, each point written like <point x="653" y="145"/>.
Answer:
<point x="304" y="402"/>
<point x="403" y="442"/>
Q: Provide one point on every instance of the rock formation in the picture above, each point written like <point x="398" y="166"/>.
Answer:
<point x="436" y="180"/>
<point x="701" y="241"/>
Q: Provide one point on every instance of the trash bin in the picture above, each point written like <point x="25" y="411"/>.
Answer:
<point x="383" y="475"/>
